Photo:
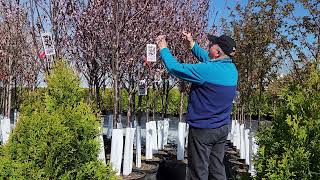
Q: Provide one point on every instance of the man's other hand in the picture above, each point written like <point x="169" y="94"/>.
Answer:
<point x="161" y="41"/>
<point x="188" y="36"/>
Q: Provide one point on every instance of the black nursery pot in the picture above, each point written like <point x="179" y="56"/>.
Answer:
<point x="139" y="175"/>
<point x="172" y="169"/>
<point x="240" y="173"/>
<point x="151" y="174"/>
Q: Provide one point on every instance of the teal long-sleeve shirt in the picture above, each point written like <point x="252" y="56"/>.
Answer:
<point x="220" y="72"/>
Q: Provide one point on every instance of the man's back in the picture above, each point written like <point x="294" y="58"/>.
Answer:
<point x="210" y="103"/>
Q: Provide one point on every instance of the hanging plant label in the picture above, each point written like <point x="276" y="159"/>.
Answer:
<point x="142" y="88"/>
<point x="151" y="52"/>
<point x="48" y="43"/>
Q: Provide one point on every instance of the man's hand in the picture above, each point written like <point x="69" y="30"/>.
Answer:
<point x="188" y="37"/>
<point x="161" y="41"/>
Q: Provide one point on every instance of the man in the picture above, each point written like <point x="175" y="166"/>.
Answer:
<point x="214" y="82"/>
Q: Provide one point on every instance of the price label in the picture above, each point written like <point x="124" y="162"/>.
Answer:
<point x="48" y="43"/>
<point x="151" y="52"/>
<point x="142" y="88"/>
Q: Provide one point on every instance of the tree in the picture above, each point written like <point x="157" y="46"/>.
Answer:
<point x="256" y="29"/>
<point x="19" y="62"/>
<point x="301" y="37"/>
<point x="88" y="51"/>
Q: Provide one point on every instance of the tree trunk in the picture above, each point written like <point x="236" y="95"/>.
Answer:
<point x="1" y="98"/>
<point x="9" y="87"/>
<point x="115" y="71"/>
<point x="90" y="92"/>
<point x="163" y="98"/>
<point x="181" y="106"/>
<point x="103" y="105"/>
<point x="15" y="94"/>
<point x="139" y="110"/>
<point x="129" y="109"/>
<point x="98" y="94"/>
<point x="182" y="93"/>
<point x="116" y="100"/>
<point x="166" y="100"/>
<point x="133" y="104"/>
<point x="120" y="100"/>
<point x="260" y="97"/>
<point x="147" y="107"/>
<point x="154" y="102"/>
<point x="55" y="30"/>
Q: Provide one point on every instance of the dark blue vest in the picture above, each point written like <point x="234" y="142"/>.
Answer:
<point x="210" y="105"/>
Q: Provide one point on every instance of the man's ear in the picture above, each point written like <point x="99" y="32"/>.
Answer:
<point x="233" y="51"/>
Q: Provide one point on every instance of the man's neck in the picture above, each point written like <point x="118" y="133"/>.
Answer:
<point x="222" y="57"/>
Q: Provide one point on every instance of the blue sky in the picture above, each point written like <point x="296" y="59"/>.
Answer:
<point x="219" y="9"/>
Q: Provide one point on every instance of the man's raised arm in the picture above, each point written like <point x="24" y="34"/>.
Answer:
<point x="197" y="51"/>
<point x="187" y="72"/>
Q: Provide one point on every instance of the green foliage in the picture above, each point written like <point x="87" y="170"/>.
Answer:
<point x="174" y="101"/>
<point x="56" y="135"/>
<point x="290" y="147"/>
<point x="173" y="106"/>
<point x="264" y="103"/>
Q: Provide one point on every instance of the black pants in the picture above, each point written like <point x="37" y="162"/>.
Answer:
<point x="206" y="150"/>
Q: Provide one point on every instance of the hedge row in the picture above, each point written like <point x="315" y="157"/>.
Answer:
<point x="173" y="101"/>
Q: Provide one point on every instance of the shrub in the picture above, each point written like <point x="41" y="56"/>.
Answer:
<point x="290" y="147"/>
<point x="173" y="106"/>
<point x="56" y="135"/>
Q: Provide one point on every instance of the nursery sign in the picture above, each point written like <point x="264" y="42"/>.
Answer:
<point x="151" y="52"/>
<point x="47" y="43"/>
